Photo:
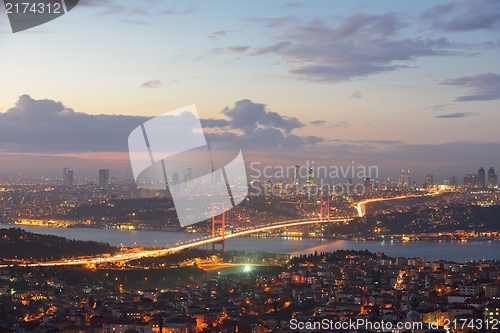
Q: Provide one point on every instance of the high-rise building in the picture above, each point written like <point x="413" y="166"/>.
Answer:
<point x="453" y="181"/>
<point x="368" y="186"/>
<point x="296" y="177"/>
<point x="429" y="181"/>
<point x="481" y="178"/>
<point x="468" y="180"/>
<point x="175" y="179"/>
<point x="401" y="179"/>
<point x="310" y="176"/>
<point x="269" y="187"/>
<point x="407" y="179"/>
<point x="103" y="176"/>
<point x="189" y="174"/>
<point x="68" y="177"/>
<point x="492" y="178"/>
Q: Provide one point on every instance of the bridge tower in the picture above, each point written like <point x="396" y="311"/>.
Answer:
<point x="221" y="221"/>
<point x="324" y="203"/>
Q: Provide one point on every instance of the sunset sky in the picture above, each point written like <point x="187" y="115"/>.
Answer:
<point x="397" y="84"/>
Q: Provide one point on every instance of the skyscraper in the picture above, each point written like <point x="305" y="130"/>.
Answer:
<point x="269" y="187"/>
<point x="68" y="177"/>
<point x="429" y="181"/>
<point x="481" y="177"/>
<point x="310" y="177"/>
<point x="401" y="180"/>
<point x="103" y="176"/>
<point x="453" y="181"/>
<point x="189" y="174"/>
<point x="407" y="179"/>
<point x="175" y="179"/>
<point x="492" y="178"/>
<point x="296" y="175"/>
<point x="388" y="184"/>
<point x="368" y="186"/>
<point x="468" y="180"/>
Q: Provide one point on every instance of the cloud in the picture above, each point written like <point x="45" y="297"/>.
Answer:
<point x="440" y="107"/>
<point x="358" y="46"/>
<point x="262" y="129"/>
<point x="317" y="122"/>
<point x="486" y="86"/>
<point x="342" y="124"/>
<point x="48" y="126"/>
<point x="459" y="16"/>
<point x="248" y="117"/>
<point x="455" y="115"/>
<point x="152" y="84"/>
<point x="356" y="94"/>
<point x="234" y="49"/>
<point x="217" y="34"/>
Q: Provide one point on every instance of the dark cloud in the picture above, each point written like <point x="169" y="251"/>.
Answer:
<point x="317" y="122"/>
<point x="455" y="115"/>
<point x="358" y="46"/>
<point x="217" y="34"/>
<point x="237" y="49"/>
<point x="247" y="116"/>
<point x="486" y="86"/>
<point x="152" y="84"/>
<point x="356" y="94"/>
<point x="212" y="123"/>
<point x="47" y="126"/>
<point x="458" y="16"/>
<point x="342" y="124"/>
<point x="262" y="129"/>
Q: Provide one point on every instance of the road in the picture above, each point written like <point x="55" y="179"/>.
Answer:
<point x="124" y="257"/>
<point x="360" y="206"/>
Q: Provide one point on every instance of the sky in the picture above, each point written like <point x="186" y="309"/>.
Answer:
<point x="393" y="84"/>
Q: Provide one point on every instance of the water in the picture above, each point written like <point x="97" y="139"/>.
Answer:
<point x="432" y="250"/>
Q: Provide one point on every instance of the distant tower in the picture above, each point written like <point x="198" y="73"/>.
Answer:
<point x="189" y="174"/>
<point x="401" y="180"/>
<point x="429" y="181"/>
<point x="474" y="180"/>
<point x="296" y="175"/>
<point x="310" y="176"/>
<point x="407" y="179"/>
<point x="492" y="178"/>
<point x="468" y="180"/>
<point x="68" y="177"/>
<point x="175" y="179"/>
<point x="481" y="177"/>
<point x="368" y="186"/>
<point x="269" y="187"/>
<point x="453" y="181"/>
<point x="103" y="176"/>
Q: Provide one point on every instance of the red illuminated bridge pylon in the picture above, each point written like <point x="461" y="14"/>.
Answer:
<point x="324" y="204"/>
<point x="222" y="222"/>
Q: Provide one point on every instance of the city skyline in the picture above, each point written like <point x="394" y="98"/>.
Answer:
<point x="296" y="176"/>
<point x="263" y="81"/>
